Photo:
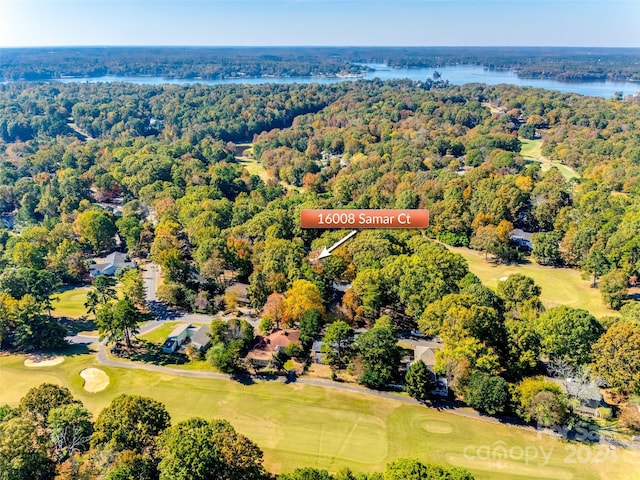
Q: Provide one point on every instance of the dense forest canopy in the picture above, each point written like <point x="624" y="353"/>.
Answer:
<point x="209" y="63"/>
<point x="209" y="181"/>
<point x="367" y="144"/>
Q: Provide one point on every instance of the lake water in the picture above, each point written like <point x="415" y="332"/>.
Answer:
<point x="457" y="75"/>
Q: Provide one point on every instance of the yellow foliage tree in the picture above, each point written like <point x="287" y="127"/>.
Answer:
<point x="301" y="297"/>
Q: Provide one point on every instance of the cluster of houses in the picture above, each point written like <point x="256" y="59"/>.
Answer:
<point x="265" y="347"/>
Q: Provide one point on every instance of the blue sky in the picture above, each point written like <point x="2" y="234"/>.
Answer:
<point x="607" y="23"/>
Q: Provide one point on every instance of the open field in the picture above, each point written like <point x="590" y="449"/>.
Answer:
<point x="532" y="150"/>
<point x="70" y="303"/>
<point x="337" y="428"/>
<point x="560" y="286"/>
<point x="254" y="167"/>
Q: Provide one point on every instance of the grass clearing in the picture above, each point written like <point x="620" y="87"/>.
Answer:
<point x="254" y="167"/>
<point x="560" y="286"/>
<point x="532" y="151"/>
<point x="70" y="303"/>
<point x="159" y="335"/>
<point x="298" y="425"/>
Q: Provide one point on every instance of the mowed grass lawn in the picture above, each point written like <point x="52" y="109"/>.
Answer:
<point x="532" y="150"/>
<point x="298" y="425"/>
<point x="560" y="286"/>
<point x="254" y="167"/>
<point x="70" y="303"/>
<point x="159" y="335"/>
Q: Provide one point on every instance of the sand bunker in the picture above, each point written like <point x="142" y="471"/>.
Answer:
<point x="95" y="380"/>
<point x="42" y="361"/>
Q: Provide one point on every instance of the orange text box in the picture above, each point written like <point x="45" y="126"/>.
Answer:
<point x="357" y="219"/>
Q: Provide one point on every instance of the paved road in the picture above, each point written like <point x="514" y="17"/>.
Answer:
<point x="151" y="274"/>
<point x="445" y="406"/>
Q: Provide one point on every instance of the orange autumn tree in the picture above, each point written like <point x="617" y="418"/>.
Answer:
<point x="273" y="308"/>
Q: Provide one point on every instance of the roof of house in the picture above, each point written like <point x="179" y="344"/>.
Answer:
<point x="266" y="346"/>
<point x="425" y="350"/>
<point x="240" y="289"/>
<point x="179" y="330"/>
<point x="519" y="233"/>
<point x="116" y="260"/>
<point x="201" y="336"/>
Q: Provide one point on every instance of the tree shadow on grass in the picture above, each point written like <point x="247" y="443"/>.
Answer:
<point x="76" y="325"/>
<point x="148" y="352"/>
<point x="243" y="378"/>
<point x="72" y="350"/>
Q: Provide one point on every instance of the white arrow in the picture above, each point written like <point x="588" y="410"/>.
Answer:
<point x="327" y="251"/>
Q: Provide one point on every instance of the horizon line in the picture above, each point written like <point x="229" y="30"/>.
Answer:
<point x="321" y="46"/>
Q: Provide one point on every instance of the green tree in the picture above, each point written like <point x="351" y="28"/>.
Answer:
<point x="130" y="229"/>
<point x="487" y="393"/>
<point x="337" y="342"/>
<point x="419" y="381"/>
<point x="310" y="326"/>
<point x="70" y="430"/>
<point x="118" y="321"/>
<point x="130" y="422"/>
<point x="103" y="291"/>
<point x="596" y="264"/>
<point x="523" y="347"/>
<point x="226" y="356"/>
<point x="568" y="334"/>
<point x="306" y="474"/>
<point x="132" y="287"/>
<point x="130" y="465"/>
<point x="613" y="287"/>
<point x="108" y="327"/>
<point x="32" y="330"/>
<point x="96" y="228"/>
<point x="412" y="469"/>
<point x="517" y="289"/>
<point x="380" y="354"/>
<point x="266" y="325"/>
<point x="196" y="449"/>
<point x="23" y="452"/>
<point x="541" y="401"/>
<point x="7" y="413"/>
<point x="40" y="284"/>
<point x="546" y="249"/>
<point x="39" y="401"/>
<point x="616" y="356"/>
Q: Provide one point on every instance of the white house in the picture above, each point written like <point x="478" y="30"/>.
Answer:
<point x="176" y="338"/>
<point x="110" y="264"/>
<point x="185" y="334"/>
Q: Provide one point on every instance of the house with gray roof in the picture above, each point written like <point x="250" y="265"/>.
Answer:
<point x="110" y="264"/>
<point x="185" y="334"/>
